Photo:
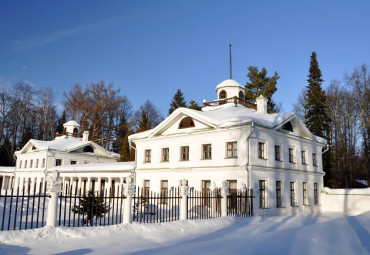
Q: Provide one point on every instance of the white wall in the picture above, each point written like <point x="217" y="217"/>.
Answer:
<point x="348" y="201"/>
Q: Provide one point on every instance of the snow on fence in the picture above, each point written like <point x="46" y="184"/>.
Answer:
<point x="20" y="210"/>
<point x="77" y="208"/>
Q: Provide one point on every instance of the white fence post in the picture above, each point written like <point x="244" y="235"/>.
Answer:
<point x="54" y="189"/>
<point x="184" y="192"/>
<point x="224" y="193"/>
<point x="129" y="191"/>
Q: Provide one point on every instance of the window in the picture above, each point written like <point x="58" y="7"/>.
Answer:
<point x="315" y="194"/>
<point x="186" y="122"/>
<point x="73" y="162"/>
<point x="37" y="163"/>
<point x="88" y="149"/>
<point x="148" y="156"/>
<point x="164" y="190"/>
<point x="277" y="152"/>
<point x="58" y="162"/>
<point x="304" y="185"/>
<point x="292" y="194"/>
<point x="288" y="126"/>
<point x="207" y="151"/>
<point x="314" y="163"/>
<point x="261" y="150"/>
<point x="304" y="162"/>
<point x="278" y="193"/>
<point x="206" y="184"/>
<point x="146" y="188"/>
<point x="31" y="163"/>
<point x="43" y="163"/>
<point x="20" y="164"/>
<point x="291" y="155"/>
<point x="33" y="147"/>
<point x="223" y="94"/>
<point x="25" y="164"/>
<point x="241" y="95"/>
<point x="165" y="154"/>
<point x="232" y="185"/>
<point x="184" y="153"/>
<point x="75" y="130"/>
<point x="231" y="150"/>
<point x="262" y="194"/>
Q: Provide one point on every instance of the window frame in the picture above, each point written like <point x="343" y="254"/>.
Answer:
<point x="186" y="122"/>
<point x="304" y="157"/>
<point x="262" y="194"/>
<point x="315" y="193"/>
<point x="293" y="201"/>
<point x="37" y="163"/>
<point x="233" y="150"/>
<point x="222" y="94"/>
<point x="43" y="162"/>
<point x="278" y="194"/>
<point x="163" y="192"/>
<point x="146" y="188"/>
<point x="291" y="155"/>
<point x="147" y="156"/>
<point x="58" y="162"/>
<point x="184" y="153"/>
<point x="262" y="150"/>
<point x="304" y="195"/>
<point x="277" y="153"/>
<point x="165" y="157"/>
<point x="207" y="151"/>
<point x="314" y="159"/>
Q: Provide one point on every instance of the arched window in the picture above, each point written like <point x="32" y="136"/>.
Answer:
<point x="241" y="95"/>
<point x="288" y="126"/>
<point x="75" y="130"/>
<point x="223" y="94"/>
<point x="186" y="122"/>
<point x="33" y="147"/>
<point x="88" y="149"/>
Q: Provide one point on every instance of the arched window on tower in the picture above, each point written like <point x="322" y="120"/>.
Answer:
<point x="288" y="126"/>
<point x="223" y="94"/>
<point x="186" y="122"/>
<point x="88" y="149"/>
<point x="75" y="130"/>
<point x="241" y="95"/>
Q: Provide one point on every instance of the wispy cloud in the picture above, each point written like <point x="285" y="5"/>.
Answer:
<point x="40" y="40"/>
<point x="24" y="67"/>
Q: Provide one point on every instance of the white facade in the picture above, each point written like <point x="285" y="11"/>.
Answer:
<point x="253" y="137"/>
<point x="80" y="162"/>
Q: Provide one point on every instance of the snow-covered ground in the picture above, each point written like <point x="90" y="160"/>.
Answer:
<point x="327" y="233"/>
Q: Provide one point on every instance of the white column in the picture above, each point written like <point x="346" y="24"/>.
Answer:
<point x="79" y="187"/>
<point x="16" y="183"/>
<point x="88" y="184"/>
<point x="129" y="191"/>
<point x="109" y="186"/>
<point x="184" y="192"/>
<point x="224" y="194"/>
<point x="26" y="185"/>
<point x="98" y="186"/>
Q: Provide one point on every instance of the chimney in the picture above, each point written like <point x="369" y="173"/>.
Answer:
<point x="261" y="104"/>
<point x="85" y="136"/>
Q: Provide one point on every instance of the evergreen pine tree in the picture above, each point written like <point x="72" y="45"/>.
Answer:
<point x="5" y="156"/>
<point x="177" y="101"/>
<point x="126" y="153"/>
<point x="193" y="105"/>
<point x="61" y="121"/>
<point x="261" y="84"/>
<point x="143" y="123"/>
<point x="316" y="112"/>
<point x="91" y="206"/>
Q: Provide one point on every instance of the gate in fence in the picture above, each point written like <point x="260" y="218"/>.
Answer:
<point x="20" y="210"/>
<point x="240" y="203"/>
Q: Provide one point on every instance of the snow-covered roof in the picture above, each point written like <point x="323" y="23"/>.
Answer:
<point x="71" y="123"/>
<point x="115" y="166"/>
<point x="7" y="169"/>
<point x="229" y="83"/>
<point x="224" y="116"/>
<point x="66" y="144"/>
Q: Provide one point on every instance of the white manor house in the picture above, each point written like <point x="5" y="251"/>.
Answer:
<point x="230" y="140"/>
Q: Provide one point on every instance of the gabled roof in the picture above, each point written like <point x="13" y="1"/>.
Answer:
<point x="65" y="144"/>
<point x="225" y="116"/>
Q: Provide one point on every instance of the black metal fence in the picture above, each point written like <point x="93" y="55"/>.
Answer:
<point x="20" y="210"/>
<point x="240" y="203"/>
<point x="150" y="207"/>
<point x="92" y="208"/>
<point x="204" y="204"/>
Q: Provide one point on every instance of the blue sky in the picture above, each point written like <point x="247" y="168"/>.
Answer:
<point x="149" y="49"/>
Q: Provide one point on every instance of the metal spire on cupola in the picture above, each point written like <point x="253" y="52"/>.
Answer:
<point x="231" y="76"/>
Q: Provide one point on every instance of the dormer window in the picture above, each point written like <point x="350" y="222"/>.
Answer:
<point x="223" y="94"/>
<point x="288" y="126"/>
<point x="88" y="149"/>
<point x="186" y="122"/>
<point x="33" y="148"/>
<point x="241" y="95"/>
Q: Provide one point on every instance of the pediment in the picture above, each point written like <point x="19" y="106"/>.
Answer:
<point x="179" y="124"/>
<point x="295" y="127"/>
<point x="90" y="147"/>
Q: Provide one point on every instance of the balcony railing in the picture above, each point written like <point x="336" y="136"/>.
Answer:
<point x="234" y="100"/>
